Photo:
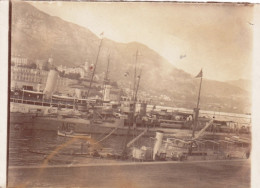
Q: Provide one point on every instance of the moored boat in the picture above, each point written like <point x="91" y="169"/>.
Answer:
<point x="72" y="134"/>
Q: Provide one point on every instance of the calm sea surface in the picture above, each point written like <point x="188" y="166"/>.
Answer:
<point x="30" y="148"/>
<point x="33" y="147"/>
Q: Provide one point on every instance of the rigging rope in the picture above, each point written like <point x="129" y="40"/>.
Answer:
<point x="106" y="136"/>
<point x="101" y="136"/>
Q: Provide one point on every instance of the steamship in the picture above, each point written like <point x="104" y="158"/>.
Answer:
<point x="29" y="110"/>
<point x="44" y="110"/>
<point x="41" y="110"/>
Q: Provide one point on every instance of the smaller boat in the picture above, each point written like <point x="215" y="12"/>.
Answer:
<point x="73" y="134"/>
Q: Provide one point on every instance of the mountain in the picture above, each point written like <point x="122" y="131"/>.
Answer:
<point x="242" y="83"/>
<point x="37" y="35"/>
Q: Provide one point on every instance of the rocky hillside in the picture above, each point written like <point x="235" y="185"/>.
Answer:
<point x="242" y="83"/>
<point x="37" y="35"/>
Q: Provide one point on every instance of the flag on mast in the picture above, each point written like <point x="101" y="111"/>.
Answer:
<point x="91" y="67"/>
<point x="200" y="74"/>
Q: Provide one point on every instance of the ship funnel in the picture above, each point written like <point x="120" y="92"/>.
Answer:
<point x="51" y="83"/>
<point x="38" y="87"/>
<point x="158" y="143"/>
<point x="107" y="93"/>
<point x="50" y="61"/>
<point x="78" y="93"/>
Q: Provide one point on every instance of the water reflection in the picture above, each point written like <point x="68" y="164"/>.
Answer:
<point x="33" y="147"/>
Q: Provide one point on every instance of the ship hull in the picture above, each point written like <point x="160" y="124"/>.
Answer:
<point x="84" y="126"/>
<point x="20" y="118"/>
<point x="117" y="127"/>
<point x="32" y="121"/>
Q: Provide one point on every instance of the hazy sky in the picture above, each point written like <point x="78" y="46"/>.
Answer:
<point x="215" y="37"/>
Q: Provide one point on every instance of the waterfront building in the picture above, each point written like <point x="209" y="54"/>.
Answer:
<point x="41" y="64"/>
<point x="34" y="78"/>
<point x="24" y="77"/>
<point x="19" y="61"/>
<point x="85" y="71"/>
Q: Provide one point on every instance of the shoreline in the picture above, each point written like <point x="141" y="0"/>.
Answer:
<point x="127" y="163"/>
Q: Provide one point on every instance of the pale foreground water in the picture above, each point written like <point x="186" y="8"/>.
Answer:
<point x="33" y="147"/>
<point x="30" y="165"/>
<point x="213" y="174"/>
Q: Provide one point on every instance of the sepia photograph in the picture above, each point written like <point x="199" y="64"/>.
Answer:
<point x="130" y="94"/>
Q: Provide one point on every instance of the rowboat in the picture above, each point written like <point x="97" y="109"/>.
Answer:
<point x="72" y="134"/>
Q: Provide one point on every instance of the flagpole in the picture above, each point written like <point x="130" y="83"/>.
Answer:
<point x="198" y="102"/>
<point x="196" y="110"/>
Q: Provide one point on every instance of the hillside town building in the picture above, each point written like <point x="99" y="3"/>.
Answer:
<point x="24" y="77"/>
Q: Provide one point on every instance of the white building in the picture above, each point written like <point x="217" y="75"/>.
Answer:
<point x="85" y="71"/>
<point x="19" y="61"/>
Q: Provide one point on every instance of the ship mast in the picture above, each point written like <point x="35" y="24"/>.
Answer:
<point x="95" y="65"/>
<point x="137" y="87"/>
<point x="105" y="82"/>
<point x="135" y="90"/>
<point x="135" y="74"/>
<point x="108" y="62"/>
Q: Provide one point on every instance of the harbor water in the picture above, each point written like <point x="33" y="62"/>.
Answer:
<point x="33" y="147"/>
